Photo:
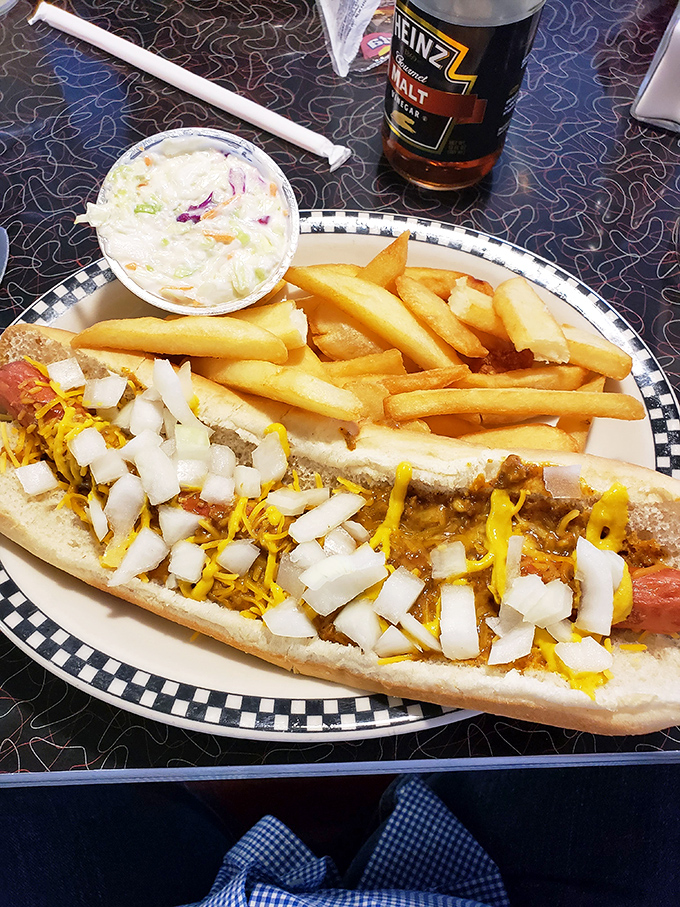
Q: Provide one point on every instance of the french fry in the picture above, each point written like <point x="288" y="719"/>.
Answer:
<point x="339" y="336"/>
<point x="388" y="264"/>
<point x="427" y="306"/>
<point x="578" y="426"/>
<point x="391" y="362"/>
<point x="528" y="321"/>
<point x="549" y="377"/>
<point x="449" y="425"/>
<point x="522" y="402"/>
<point x="596" y="354"/>
<point x="345" y="268"/>
<point x="191" y="335"/>
<point x="309" y="304"/>
<point x="284" y="319"/>
<point x="424" y="380"/>
<point x="441" y="281"/>
<point x="534" y="435"/>
<point x="380" y="311"/>
<point x="286" y="384"/>
<point x="306" y="359"/>
<point x="475" y="308"/>
<point x="372" y="393"/>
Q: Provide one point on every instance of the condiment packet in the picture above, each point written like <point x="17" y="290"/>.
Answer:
<point x="357" y="32"/>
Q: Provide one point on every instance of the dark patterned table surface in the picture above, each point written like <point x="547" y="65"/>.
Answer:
<point x="579" y="183"/>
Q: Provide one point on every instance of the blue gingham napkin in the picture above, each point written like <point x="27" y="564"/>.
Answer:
<point x="423" y="858"/>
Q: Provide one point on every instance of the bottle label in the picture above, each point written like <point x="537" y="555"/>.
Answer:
<point x="452" y="89"/>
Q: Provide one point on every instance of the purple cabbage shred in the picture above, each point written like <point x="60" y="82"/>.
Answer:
<point x="238" y="183"/>
<point x="194" y="218"/>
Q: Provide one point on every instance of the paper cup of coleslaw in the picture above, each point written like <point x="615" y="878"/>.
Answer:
<point x="196" y="221"/>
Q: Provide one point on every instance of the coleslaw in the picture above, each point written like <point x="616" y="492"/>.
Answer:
<point x="191" y="223"/>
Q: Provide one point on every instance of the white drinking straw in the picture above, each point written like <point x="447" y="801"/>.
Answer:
<point x="195" y="85"/>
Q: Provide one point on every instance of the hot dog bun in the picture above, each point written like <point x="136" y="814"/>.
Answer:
<point x="643" y="693"/>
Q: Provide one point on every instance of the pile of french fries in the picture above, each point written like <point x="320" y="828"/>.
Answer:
<point x="421" y="348"/>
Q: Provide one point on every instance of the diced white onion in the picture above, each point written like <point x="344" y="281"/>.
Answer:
<point x="167" y="382"/>
<point x="145" y="553"/>
<point x="192" y="442"/>
<point x="513" y="558"/>
<point x="67" y="373"/>
<point x="616" y="565"/>
<point x="108" y="467"/>
<point x="339" y="542"/>
<point x="177" y="523"/>
<point x="292" y="503"/>
<point x="288" y="619"/>
<point x="168" y="447"/>
<point x="169" y="424"/>
<point x="100" y="524"/>
<point x="185" y="380"/>
<point x="458" y="634"/>
<point x="555" y="604"/>
<point x="392" y="643"/>
<point x="338" y="579"/>
<point x="288" y="576"/>
<point x="332" y="513"/>
<point x="122" y="418"/>
<point x="87" y="445"/>
<point x="587" y="655"/>
<point x="508" y="619"/>
<point x="524" y="592"/>
<point x="398" y="594"/>
<point x="307" y="553"/>
<point x="448" y="560"/>
<point x="359" y="622"/>
<point x="540" y="603"/>
<point x="421" y="634"/>
<point x="358" y="532"/>
<point x="147" y="438"/>
<point x="124" y="504"/>
<point x="145" y="414"/>
<point x="192" y="473"/>
<point x="36" y="478"/>
<point x="218" y="490"/>
<point x="298" y="320"/>
<point x="187" y="560"/>
<point x="238" y="556"/>
<point x="561" y="631"/>
<point x="512" y="645"/>
<point x="247" y="482"/>
<point x="222" y="461"/>
<point x="563" y="481"/>
<point x="270" y="459"/>
<point x="594" y="573"/>
<point x="158" y="474"/>
<point x="103" y="393"/>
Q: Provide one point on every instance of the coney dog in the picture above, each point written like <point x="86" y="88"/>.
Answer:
<point x="535" y="585"/>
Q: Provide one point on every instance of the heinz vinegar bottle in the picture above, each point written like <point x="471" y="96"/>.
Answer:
<point x="454" y="76"/>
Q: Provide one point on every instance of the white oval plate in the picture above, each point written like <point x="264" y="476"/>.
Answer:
<point x="141" y="663"/>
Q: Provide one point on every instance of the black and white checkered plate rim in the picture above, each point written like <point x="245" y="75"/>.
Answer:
<point x="222" y="712"/>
